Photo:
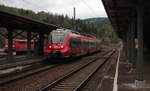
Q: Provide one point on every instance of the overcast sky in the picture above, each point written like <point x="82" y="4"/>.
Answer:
<point x="84" y="8"/>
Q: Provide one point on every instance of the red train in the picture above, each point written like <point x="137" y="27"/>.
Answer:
<point x="18" y="45"/>
<point x="66" y="43"/>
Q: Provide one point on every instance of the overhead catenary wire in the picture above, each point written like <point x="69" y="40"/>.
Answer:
<point x="93" y="11"/>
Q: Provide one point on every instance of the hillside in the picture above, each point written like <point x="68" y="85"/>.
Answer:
<point x="100" y="26"/>
<point x="98" y="20"/>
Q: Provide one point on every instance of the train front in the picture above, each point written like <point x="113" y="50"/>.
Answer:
<point x="57" y="45"/>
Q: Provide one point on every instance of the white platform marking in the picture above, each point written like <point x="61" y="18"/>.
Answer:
<point x="115" y="86"/>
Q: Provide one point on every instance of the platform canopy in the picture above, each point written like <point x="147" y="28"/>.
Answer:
<point x="14" y="21"/>
<point x="122" y="12"/>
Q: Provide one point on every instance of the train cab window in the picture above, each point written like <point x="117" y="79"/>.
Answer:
<point x="57" y="37"/>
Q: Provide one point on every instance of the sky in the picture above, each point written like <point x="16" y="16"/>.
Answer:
<point x="84" y="8"/>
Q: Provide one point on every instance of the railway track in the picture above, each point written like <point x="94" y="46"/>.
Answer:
<point x="14" y="76"/>
<point x="43" y="76"/>
<point x="21" y="74"/>
<point x="76" y="79"/>
<point x="15" y="63"/>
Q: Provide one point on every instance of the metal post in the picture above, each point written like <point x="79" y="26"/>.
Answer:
<point x="74" y="18"/>
<point x="127" y="42"/>
<point x="140" y="42"/>
<point x="130" y="44"/>
<point x="74" y="13"/>
<point x="124" y="48"/>
<point x="41" y="45"/>
<point x="36" y="47"/>
<point x="140" y="82"/>
<point x="10" y="43"/>
<point x="133" y="44"/>
<point x="29" y="44"/>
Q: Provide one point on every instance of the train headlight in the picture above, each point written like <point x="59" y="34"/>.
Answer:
<point x="50" y="46"/>
<point x="62" y="46"/>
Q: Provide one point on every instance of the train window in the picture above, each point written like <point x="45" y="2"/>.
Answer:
<point x="79" y="43"/>
<point x="82" y="44"/>
<point x="86" y="44"/>
<point x="6" y="41"/>
<point x="91" y="44"/>
<point x="57" y="38"/>
<point x="1" y="43"/>
<point x="75" y="42"/>
<point x="23" y="42"/>
<point x="72" y="42"/>
<point x="50" y="38"/>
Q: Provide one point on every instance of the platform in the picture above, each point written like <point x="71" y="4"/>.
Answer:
<point x="124" y="80"/>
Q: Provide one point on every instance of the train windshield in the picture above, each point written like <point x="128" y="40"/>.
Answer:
<point x="57" y="37"/>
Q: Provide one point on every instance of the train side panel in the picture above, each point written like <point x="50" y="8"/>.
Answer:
<point x="18" y="45"/>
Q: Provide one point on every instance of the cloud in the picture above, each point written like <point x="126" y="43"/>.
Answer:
<point x="84" y="8"/>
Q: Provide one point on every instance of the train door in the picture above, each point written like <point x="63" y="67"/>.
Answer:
<point x="72" y="46"/>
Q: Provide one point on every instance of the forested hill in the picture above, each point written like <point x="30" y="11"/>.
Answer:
<point x="98" y="20"/>
<point x="99" y="27"/>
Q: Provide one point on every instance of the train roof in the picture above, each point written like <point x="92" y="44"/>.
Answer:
<point x="74" y="32"/>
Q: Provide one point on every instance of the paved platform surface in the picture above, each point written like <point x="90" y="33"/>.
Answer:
<point x="125" y="77"/>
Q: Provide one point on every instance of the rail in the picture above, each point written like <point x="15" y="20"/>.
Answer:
<point x="63" y="78"/>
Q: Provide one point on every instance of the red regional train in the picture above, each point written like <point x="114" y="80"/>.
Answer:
<point x="66" y="43"/>
<point x="18" y="45"/>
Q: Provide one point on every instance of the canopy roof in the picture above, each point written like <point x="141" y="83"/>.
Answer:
<point x="122" y="12"/>
<point x="14" y="21"/>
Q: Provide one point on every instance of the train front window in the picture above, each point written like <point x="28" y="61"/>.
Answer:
<point x="57" y="38"/>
